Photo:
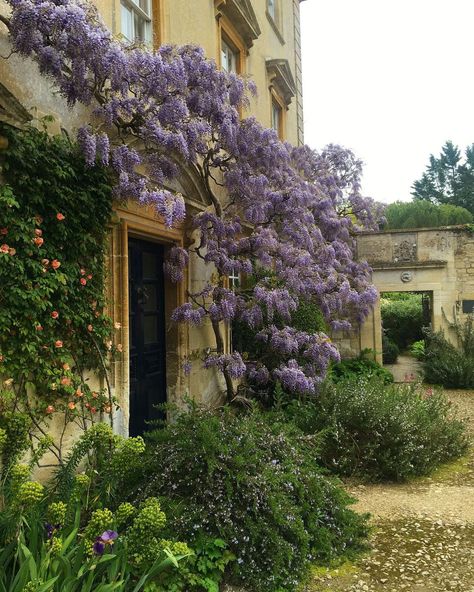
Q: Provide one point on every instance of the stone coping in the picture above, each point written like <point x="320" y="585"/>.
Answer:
<point x="406" y="264"/>
<point x="455" y="228"/>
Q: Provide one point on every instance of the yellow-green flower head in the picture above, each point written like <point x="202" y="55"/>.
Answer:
<point x="124" y="513"/>
<point x="55" y="545"/>
<point x="30" y="492"/>
<point x="57" y="512"/>
<point x="20" y="473"/>
<point x="82" y="481"/>
<point x="3" y="438"/>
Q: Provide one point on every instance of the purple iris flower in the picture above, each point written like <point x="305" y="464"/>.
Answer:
<point x="106" y="538"/>
<point x="51" y="529"/>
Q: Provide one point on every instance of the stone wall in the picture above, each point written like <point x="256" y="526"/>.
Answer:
<point x="438" y="261"/>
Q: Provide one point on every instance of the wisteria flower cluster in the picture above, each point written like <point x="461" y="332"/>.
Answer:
<point x="288" y="214"/>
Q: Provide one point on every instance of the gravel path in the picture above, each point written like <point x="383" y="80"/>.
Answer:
<point x="423" y="538"/>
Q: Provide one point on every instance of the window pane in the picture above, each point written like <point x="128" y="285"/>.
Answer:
<point x="127" y="22"/>
<point x="228" y="57"/>
<point x="276" y="117"/>
<point x="271" y="8"/>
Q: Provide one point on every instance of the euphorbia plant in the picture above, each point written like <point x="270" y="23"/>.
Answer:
<point x="272" y="207"/>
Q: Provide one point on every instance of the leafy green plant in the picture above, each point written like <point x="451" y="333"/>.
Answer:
<point x="402" y="317"/>
<point x="363" y="365"/>
<point x="255" y="484"/>
<point x="381" y="431"/>
<point x="447" y="365"/>
<point x="54" y="213"/>
<point x="390" y="350"/>
<point x="417" y="349"/>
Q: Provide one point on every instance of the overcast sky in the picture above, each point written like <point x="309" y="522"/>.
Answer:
<point x="392" y="80"/>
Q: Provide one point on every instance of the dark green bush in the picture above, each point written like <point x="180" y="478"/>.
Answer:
<point x="390" y="350"/>
<point x="446" y="365"/>
<point x="381" y="431"/>
<point x="256" y="485"/>
<point x="402" y="318"/>
<point x="360" y="366"/>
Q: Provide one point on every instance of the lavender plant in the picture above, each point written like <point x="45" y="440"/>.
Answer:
<point x="271" y="206"/>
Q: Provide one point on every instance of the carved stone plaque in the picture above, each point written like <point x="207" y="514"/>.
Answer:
<point x="404" y="247"/>
<point x="406" y="276"/>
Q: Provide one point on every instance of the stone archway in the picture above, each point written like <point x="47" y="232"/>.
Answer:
<point x="439" y="261"/>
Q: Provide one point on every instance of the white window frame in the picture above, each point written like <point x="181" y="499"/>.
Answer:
<point x="272" y="9"/>
<point x="227" y="50"/>
<point x="136" y="11"/>
<point x="234" y="278"/>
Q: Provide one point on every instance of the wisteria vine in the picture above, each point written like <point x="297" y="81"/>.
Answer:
<point x="285" y="213"/>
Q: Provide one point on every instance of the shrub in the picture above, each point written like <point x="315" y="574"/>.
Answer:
<point x="423" y="214"/>
<point x="258" y="487"/>
<point x="402" y="318"/>
<point x="417" y="349"/>
<point x="381" y="431"/>
<point x="446" y="365"/>
<point x="360" y="366"/>
<point x="390" y="350"/>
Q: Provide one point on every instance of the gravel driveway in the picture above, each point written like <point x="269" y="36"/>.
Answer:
<point x="423" y="539"/>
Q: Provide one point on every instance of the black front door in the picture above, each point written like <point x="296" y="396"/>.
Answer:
<point x="147" y="334"/>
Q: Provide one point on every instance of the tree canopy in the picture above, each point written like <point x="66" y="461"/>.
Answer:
<point x="273" y="208"/>
<point x="424" y="214"/>
<point x="448" y="178"/>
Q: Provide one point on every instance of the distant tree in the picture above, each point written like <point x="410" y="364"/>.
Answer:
<point x="448" y="179"/>
<point x="423" y="214"/>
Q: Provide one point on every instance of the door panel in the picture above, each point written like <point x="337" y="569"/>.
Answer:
<point x="147" y="334"/>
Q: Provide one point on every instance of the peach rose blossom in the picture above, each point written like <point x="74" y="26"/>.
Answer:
<point x="108" y="409"/>
<point x="90" y="328"/>
<point x="83" y="271"/>
<point x="12" y="251"/>
<point x="3" y="231"/>
<point x="54" y="314"/>
<point x="66" y="366"/>
<point x="38" y="231"/>
<point x="89" y="277"/>
<point x="83" y="281"/>
<point x="79" y="393"/>
<point x="49" y="409"/>
<point x="4" y="248"/>
<point x="95" y="395"/>
<point x="71" y="405"/>
<point x="55" y="264"/>
<point x="8" y="382"/>
<point x="45" y="262"/>
<point x="60" y="216"/>
<point x="66" y="381"/>
<point x="58" y="343"/>
<point x="38" y="241"/>
<point x="39" y="327"/>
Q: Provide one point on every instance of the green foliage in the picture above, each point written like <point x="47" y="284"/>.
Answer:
<point x="51" y="543"/>
<point x="402" y="319"/>
<point x="448" y="178"/>
<point x="447" y="365"/>
<point x="363" y="365"/>
<point x="423" y="214"/>
<point x="54" y="213"/>
<point x="381" y="431"/>
<point x="390" y="350"/>
<point x="256" y="485"/>
<point x="417" y="349"/>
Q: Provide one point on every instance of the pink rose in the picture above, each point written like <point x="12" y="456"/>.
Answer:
<point x="49" y="409"/>
<point x="83" y="281"/>
<point x="60" y="216"/>
<point x="39" y="327"/>
<point x="54" y="314"/>
<point x="4" y="248"/>
<point x="89" y="277"/>
<point x="3" y="231"/>
<point x="66" y="381"/>
<point x="58" y="343"/>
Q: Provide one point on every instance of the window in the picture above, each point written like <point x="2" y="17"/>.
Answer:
<point x="230" y="57"/>
<point x="234" y="280"/>
<point x="271" y="7"/>
<point x="277" y="117"/>
<point x="136" y="20"/>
